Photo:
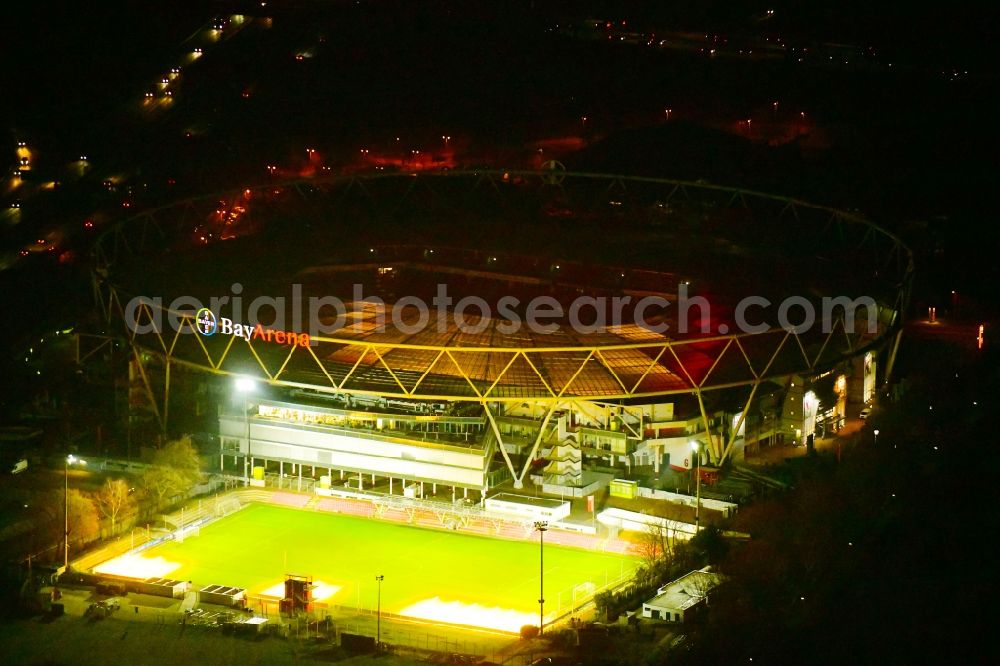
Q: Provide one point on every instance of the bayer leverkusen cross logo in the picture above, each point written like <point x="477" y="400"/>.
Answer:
<point x="208" y="324"/>
<point x="205" y="322"/>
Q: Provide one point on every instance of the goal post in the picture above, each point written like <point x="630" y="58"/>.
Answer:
<point x="227" y="506"/>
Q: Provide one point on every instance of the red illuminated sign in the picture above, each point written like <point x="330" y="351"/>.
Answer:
<point x="280" y="337"/>
<point x="208" y="324"/>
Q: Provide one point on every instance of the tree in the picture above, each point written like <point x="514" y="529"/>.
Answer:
<point x="114" y="500"/>
<point x="175" y="469"/>
<point x="160" y="483"/>
<point x="701" y="584"/>
<point x="656" y="543"/>
<point x="711" y="542"/>
<point x="84" y="521"/>
<point x="603" y="601"/>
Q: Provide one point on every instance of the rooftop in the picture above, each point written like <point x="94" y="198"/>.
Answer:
<point x="686" y="591"/>
<point x="380" y="343"/>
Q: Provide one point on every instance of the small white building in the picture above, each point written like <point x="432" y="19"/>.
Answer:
<point x="675" y="601"/>
<point x="527" y="507"/>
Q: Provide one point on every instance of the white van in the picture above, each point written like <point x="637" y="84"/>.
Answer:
<point x="19" y="466"/>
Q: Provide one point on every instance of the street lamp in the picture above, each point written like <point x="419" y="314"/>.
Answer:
<point x="70" y="460"/>
<point x="378" y="622"/>
<point x="541" y="526"/>
<point x="245" y="385"/>
<point x="876" y="437"/>
<point x="696" y="447"/>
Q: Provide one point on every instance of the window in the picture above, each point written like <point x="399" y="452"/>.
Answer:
<point x="655" y="613"/>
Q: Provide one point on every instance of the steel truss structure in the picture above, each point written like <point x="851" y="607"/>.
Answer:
<point x="547" y="372"/>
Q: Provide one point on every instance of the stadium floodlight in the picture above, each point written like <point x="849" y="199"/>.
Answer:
<point x="246" y="385"/>
<point x="541" y="526"/>
<point x="696" y="447"/>
<point x="378" y="622"/>
<point x="70" y="460"/>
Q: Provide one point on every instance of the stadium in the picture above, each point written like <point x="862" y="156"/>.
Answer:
<point x="293" y="315"/>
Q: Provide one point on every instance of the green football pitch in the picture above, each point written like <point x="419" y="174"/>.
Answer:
<point x="443" y="575"/>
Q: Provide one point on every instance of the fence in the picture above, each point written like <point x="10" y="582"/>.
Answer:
<point x="136" y="540"/>
<point x="726" y="508"/>
<point x="205" y="511"/>
<point x="570" y="602"/>
<point x="410" y="639"/>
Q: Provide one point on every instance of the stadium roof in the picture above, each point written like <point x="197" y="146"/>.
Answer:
<point x="450" y="362"/>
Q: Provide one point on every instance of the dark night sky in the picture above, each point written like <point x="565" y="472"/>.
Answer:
<point x="913" y="149"/>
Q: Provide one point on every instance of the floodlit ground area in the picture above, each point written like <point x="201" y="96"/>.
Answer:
<point x="434" y="575"/>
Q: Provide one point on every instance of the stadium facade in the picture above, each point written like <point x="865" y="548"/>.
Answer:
<point x="374" y="405"/>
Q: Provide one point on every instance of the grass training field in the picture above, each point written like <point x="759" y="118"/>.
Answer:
<point x="437" y="575"/>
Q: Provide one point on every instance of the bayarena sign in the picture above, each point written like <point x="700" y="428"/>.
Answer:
<point x="208" y="325"/>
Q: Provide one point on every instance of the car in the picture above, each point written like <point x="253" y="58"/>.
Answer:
<point x="865" y="413"/>
<point x="102" y="609"/>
